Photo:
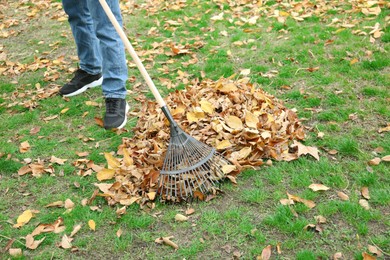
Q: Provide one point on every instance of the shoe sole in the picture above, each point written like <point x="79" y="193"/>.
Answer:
<point x="124" y="121"/>
<point x="90" y="85"/>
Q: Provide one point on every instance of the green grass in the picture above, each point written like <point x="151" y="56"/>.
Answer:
<point x="248" y="216"/>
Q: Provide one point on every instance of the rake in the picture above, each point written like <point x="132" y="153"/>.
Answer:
<point x="189" y="165"/>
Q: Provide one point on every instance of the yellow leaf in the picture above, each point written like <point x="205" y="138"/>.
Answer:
<point x="206" y="106"/>
<point x="228" y="168"/>
<point x="180" y="218"/>
<point x="245" y="72"/>
<point x="318" y="187"/>
<point x="229" y="87"/>
<point x="63" y="111"/>
<point x="92" y="224"/>
<point x="251" y="120"/>
<point x="126" y="158"/>
<point x="113" y="163"/>
<point x="234" y="122"/>
<point x="24" y="218"/>
<point x="196" y="115"/>
<point x="105" y="174"/>
<point x="223" y="145"/>
<point x="152" y="195"/>
<point x="355" y="60"/>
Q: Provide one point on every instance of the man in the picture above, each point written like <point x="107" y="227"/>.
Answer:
<point x="102" y="57"/>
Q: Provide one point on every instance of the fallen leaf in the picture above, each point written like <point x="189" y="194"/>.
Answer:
<point x="15" y="252"/>
<point x="180" y="218"/>
<point x="24" y="147"/>
<point x="113" y="163"/>
<point x="234" y="122"/>
<point x="56" y="160"/>
<point x="119" y="233"/>
<point x="342" y="195"/>
<point x="364" y="204"/>
<point x="24" y="218"/>
<point x="265" y="254"/>
<point x="105" y="174"/>
<point x="167" y="241"/>
<point x="367" y="256"/>
<point x="303" y="149"/>
<point x="365" y="193"/>
<point x="75" y="230"/>
<point x="31" y="243"/>
<point x="66" y="242"/>
<point x="318" y="187"/>
<point x="386" y="158"/>
<point x="375" y="161"/>
<point x="337" y="256"/>
<point x="69" y="204"/>
<point x="320" y="219"/>
<point x="92" y="224"/>
<point x="190" y="211"/>
<point x="58" y="203"/>
<point x="374" y="250"/>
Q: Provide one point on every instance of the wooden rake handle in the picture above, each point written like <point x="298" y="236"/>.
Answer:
<point x="133" y="54"/>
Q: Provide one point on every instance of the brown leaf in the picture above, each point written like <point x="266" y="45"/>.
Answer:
<point x="31" y="243"/>
<point x="99" y="121"/>
<point x="167" y="241"/>
<point x="56" y="160"/>
<point x="375" y="161"/>
<point x="105" y="174"/>
<point x="265" y="254"/>
<point x="112" y="162"/>
<point x="181" y="218"/>
<point x="8" y="245"/>
<point x="35" y="130"/>
<point x="24" y="147"/>
<point x="365" y="193"/>
<point x="374" y="250"/>
<point x="318" y="187"/>
<point x="68" y="204"/>
<point x="320" y="219"/>
<point x="75" y="230"/>
<point x="119" y="233"/>
<point x="342" y="195"/>
<point x="386" y="158"/>
<point x="364" y="204"/>
<point x="234" y="122"/>
<point x="15" y="252"/>
<point x="58" y="203"/>
<point x="303" y="149"/>
<point x="190" y="211"/>
<point x="66" y="242"/>
<point x="367" y="256"/>
<point x="337" y="256"/>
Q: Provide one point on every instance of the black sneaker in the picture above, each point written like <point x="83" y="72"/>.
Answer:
<point x="116" y="113"/>
<point x="80" y="83"/>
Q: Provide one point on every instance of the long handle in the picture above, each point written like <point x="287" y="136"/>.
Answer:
<point x="132" y="52"/>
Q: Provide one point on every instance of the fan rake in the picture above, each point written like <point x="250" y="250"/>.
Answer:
<point x="189" y="164"/>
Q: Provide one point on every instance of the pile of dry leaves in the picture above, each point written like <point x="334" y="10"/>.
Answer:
<point x="241" y="121"/>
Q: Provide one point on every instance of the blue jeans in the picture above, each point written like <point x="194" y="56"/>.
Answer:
<point x="99" y="46"/>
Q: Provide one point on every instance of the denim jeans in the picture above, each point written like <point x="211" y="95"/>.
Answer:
<point x="99" y="46"/>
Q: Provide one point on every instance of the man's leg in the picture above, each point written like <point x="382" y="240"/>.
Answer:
<point x="114" y="65"/>
<point x="81" y="23"/>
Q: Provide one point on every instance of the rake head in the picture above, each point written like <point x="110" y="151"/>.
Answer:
<point x="189" y="166"/>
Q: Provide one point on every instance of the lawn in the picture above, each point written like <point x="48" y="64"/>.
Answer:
<point x="327" y="60"/>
